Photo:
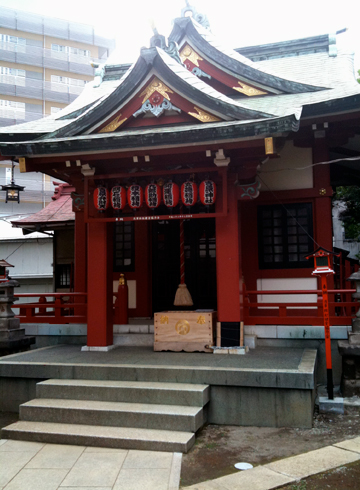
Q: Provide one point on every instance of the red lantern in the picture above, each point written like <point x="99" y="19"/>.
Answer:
<point x="189" y="193"/>
<point x="153" y="195"/>
<point x="101" y="198"/>
<point x="171" y="194"/>
<point x="118" y="197"/>
<point x="207" y="191"/>
<point x="135" y="196"/>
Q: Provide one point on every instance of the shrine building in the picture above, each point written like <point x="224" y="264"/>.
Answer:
<point x="205" y="166"/>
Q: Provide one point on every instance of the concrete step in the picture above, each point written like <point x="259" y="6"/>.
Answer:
<point x="184" y="394"/>
<point x="115" y="414"/>
<point x="100" y="436"/>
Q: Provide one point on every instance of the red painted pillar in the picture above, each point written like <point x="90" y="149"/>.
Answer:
<point x="227" y="260"/>
<point x="80" y="252"/>
<point x="99" y="285"/>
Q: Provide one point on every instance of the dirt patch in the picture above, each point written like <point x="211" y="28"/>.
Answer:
<point x="218" y="448"/>
<point x="342" y="478"/>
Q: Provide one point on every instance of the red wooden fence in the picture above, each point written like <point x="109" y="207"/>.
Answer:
<point x="342" y="308"/>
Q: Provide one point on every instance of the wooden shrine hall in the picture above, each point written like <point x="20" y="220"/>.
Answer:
<point x="204" y="166"/>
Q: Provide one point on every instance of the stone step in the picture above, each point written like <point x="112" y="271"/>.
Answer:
<point x="184" y="394"/>
<point x="115" y="414"/>
<point x="100" y="436"/>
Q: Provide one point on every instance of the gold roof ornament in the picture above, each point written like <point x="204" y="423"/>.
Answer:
<point x="203" y="116"/>
<point x="248" y="90"/>
<point x="156" y="86"/>
<point x="113" y="125"/>
<point x="187" y="53"/>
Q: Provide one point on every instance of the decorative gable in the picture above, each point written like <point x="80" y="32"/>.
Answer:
<point x="206" y="70"/>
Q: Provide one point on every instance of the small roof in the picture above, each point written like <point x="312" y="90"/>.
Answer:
<point x="57" y="213"/>
<point x="3" y="263"/>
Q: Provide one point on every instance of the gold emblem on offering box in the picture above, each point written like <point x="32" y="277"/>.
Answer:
<point x="182" y="327"/>
<point x="156" y="86"/>
<point x="187" y="53"/>
<point x="164" y="319"/>
<point x="201" y="320"/>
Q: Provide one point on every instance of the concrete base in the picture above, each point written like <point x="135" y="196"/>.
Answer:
<point x="11" y="346"/>
<point x="331" y="406"/>
<point x="106" y="348"/>
<point x="267" y="387"/>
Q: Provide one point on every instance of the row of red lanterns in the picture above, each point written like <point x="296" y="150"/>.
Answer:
<point x="118" y="197"/>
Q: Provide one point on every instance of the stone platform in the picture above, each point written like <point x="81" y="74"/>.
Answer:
<point x="271" y="387"/>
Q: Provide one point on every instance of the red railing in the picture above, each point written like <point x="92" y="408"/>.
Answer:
<point x="341" y="305"/>
<point x="53" y="308"/>
<point x="56" y="308"/>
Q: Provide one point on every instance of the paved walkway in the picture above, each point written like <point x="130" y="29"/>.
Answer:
<point x="37" y="466"/>
<point x="288" y="470"/>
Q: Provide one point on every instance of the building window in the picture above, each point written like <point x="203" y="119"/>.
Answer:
<point x="63" y="276"/>
<point x="54" y="110"/>
<point x="285" y="236"/>
<point x="70" y="50"/>
<point x="5" y="38"/>
<point x="124" y="249"/>
<point x="68" y="81"/>
<point x="5" y="70"/>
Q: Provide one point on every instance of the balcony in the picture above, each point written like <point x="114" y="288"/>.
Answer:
<point x="46" y="58"/>
<point x="38" y="89"/>
<point x="47" y="26"/>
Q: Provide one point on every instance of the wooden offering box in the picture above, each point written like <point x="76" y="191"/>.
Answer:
<point x="184" y="330"/>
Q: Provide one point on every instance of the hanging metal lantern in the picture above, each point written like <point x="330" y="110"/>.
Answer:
<point x="118" y="197"/>
<point x="101" y="198"/>
<point x="207" y="191"/>
<point x="153" y="195"/>
<point x="135" y="196"/>
<point x="189" y="193"/>
<point x="171" y="194"/>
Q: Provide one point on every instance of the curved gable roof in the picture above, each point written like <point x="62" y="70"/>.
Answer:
<point x="185" y="28"/>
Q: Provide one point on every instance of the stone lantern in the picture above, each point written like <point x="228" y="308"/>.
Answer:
<point x="12" y="337"/>
<point x="350" y="350"/>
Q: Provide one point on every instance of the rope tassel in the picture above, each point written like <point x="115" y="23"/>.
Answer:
<point x="182" y="296"/>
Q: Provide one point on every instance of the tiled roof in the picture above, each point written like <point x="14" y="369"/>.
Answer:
<point x="57" y="212"/>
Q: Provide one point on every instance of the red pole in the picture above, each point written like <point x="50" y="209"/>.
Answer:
<point x="330" y="386"/>
<point x="182" y="253"/>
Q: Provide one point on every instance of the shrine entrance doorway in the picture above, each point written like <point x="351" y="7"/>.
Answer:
<point x="200" y="263"/>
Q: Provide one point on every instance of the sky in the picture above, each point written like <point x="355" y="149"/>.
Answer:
<point x="235" y="22"/>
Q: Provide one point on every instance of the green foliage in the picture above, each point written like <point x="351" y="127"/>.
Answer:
<point x="350" y="195"/>
<point x="358" y="78"/>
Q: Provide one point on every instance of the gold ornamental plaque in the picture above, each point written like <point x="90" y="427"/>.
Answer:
<point x="182" y="327"/>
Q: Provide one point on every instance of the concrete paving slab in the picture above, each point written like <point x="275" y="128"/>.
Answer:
<point x="259" y="478"/>
<point x="148" y="459"/>
<point x="350" y="445"/>
<point x="88" y="488"/>
<point x="95" y="469"/>
<point x="56" y="456"/>
<point x="175" y="471"/>
<point x="2" y="441"/>
<point x="11" y="464"/>
<point x="313" y="462"/>
<point x="143" y="479"/>
<point x="21" y="446"/>
<point x="105" y="450"/>
<point x="37" y="479"/>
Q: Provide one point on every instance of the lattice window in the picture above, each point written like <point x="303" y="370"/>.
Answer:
<point x="285" y="236"/>
<point x="124" y="249"/>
